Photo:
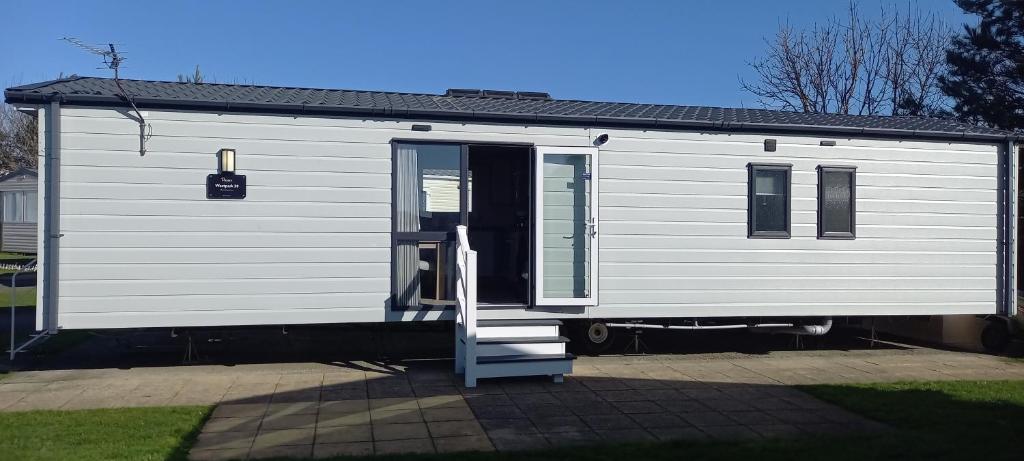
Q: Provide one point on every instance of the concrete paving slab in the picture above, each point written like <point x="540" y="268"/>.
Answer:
<point x="394" y="447"/>
<point x="463" y="443"/>
<point x="247" y="424"/>
<point x="330" y="450"/>
<point x="272" y="437"/>
<point x="447" y="414"/>
<point x="400" y="431"/>
<point x="224" y="440"/>
<point x="454" y="428"/>
<point x="344" y="434"/>
<point x="303" y="421"/>
<point x="281" y="451"/>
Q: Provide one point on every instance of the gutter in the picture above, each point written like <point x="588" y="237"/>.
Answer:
<point x="529" y="118"/>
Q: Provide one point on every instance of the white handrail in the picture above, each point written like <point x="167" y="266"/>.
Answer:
<point x="465" y="305"/>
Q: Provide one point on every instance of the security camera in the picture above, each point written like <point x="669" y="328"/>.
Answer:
<point x="601" y="139"/>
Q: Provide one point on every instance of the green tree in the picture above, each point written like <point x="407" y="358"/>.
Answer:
<point x="196" y="77"/>
<point x="986" y="65"/>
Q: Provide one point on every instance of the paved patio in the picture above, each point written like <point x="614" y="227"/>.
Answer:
<point x="306" y="409"/>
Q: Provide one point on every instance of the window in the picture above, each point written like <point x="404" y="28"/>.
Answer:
<point x="769" y="193"/>
<point x="837" y="202"/>
<point x="427" y="205"/>
<point x="20" y="207"/>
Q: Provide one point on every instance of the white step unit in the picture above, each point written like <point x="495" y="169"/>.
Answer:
<point x="491" y="347"/>
<point x="517" y="328"/>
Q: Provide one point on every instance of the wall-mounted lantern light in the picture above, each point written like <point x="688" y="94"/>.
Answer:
<point x="227" y="161"/>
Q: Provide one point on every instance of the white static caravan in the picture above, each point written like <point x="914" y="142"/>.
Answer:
<point x="508" y="212"/>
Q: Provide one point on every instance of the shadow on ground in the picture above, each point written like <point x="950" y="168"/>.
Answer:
<point x="347" y="344"/>
<point x="652" y="413"/>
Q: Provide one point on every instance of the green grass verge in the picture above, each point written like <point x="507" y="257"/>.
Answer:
<point x="88" y="435"/>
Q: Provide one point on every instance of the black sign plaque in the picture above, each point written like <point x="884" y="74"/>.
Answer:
<point x="225" y="186"/>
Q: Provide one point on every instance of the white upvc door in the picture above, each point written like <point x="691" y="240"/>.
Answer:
<point x="566" y="226"/>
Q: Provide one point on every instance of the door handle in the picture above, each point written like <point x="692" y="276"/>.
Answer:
<point x="591" y="227"/>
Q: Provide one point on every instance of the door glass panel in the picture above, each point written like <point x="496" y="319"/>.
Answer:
<point x="566" y="227"/>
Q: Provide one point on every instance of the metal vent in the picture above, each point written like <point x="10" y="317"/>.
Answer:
<point x="462" y="92"/>
<point x="533" y="95"/>
<point x="499" y="94"/>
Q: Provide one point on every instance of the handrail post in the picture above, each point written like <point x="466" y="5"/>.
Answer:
<point x="470" y="353"/>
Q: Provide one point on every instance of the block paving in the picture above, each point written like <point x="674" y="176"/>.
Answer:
<point x="312" y="410"/>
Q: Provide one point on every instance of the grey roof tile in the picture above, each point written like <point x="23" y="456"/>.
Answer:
<point x="226" y="97"/>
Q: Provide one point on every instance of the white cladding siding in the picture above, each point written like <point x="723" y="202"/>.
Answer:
<point x="310" y="243"/>
<point x="674" y="229"/>
<point x="143" y="247"/>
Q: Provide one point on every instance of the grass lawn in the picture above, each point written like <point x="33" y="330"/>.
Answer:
<point x="968" y="420"/>
<point x="87" y="435"/>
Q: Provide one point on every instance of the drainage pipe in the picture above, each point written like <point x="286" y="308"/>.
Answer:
<point x="805" y="330"/>
<point x="698" y="327"/>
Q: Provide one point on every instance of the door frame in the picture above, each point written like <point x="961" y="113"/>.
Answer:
<point x="446" y="236"/>
<point x="538" y="222"/>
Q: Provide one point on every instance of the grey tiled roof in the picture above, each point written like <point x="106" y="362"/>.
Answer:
<point x="266" y="99"/>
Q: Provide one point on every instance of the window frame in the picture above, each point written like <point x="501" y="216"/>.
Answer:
<point x="832" y="235"/>
<point x="752" y="232"/>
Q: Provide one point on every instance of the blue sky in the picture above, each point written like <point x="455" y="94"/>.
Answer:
<point x="679" y="52"/>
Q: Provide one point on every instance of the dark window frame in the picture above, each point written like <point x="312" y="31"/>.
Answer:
<point x="752" y="232"/>
<point x="852" y="234"/>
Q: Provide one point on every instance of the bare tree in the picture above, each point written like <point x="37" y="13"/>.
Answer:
<point x="888" y="65"/>
<point x="19" y="143"/>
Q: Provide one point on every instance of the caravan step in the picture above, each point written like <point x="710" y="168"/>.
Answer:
<point x="529" y="345"/>
<point x="517" y="328"/>
<point x="525" y="358"/>
<point x="555" y="365"/>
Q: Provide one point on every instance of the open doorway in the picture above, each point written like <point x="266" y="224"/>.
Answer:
<point x="499" y="222"/>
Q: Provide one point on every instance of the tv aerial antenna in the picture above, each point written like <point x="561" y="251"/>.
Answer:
<point x="112" y="59"/>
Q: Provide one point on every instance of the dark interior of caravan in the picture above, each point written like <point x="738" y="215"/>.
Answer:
<point x="499" y="221"/>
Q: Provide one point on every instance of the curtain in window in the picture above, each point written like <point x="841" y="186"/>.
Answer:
<point x="407" y="204"/>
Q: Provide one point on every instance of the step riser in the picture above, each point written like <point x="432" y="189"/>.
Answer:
<point x="517" y="331"/>
<point x="547" y="367"/>
<point x="491" y="350"/>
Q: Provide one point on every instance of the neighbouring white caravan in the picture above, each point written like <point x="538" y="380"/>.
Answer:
<point x="572" y="210"/>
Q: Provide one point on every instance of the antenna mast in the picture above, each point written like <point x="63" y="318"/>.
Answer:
<point x="112" y="60"/>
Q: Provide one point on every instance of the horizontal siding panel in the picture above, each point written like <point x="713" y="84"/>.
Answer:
<point x="903" y="269"/>
<point x="286" y="121"/>
<point x="623" y="214"/>
<point x="783" y="255"/>
<point x="110" y="174"/>
<point x="936" y="164"/>
<point x="214" y="255"/>
<point x="127" y="144"/>
<point x="668" y="242"/>
<point x="825" y="296"/>
<point x="224" y="208"/>
<point x="121" y="239"/>
<point x="802" y="146"/>
<point x="221" y="270"/>
<point x="181" y="286"/>
<point x="683" y="229"/>
<point x="246" y="302"/>
<point x="71" y="223"/>
<point x="245" y="162"/>
<point x="197" y="191"/>
<point x="797" y="283"/>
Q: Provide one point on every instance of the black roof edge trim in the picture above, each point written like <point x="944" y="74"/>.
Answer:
<point x="15" y="95"/>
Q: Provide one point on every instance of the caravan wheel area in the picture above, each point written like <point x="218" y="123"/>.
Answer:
<point x="505" y="212"/>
